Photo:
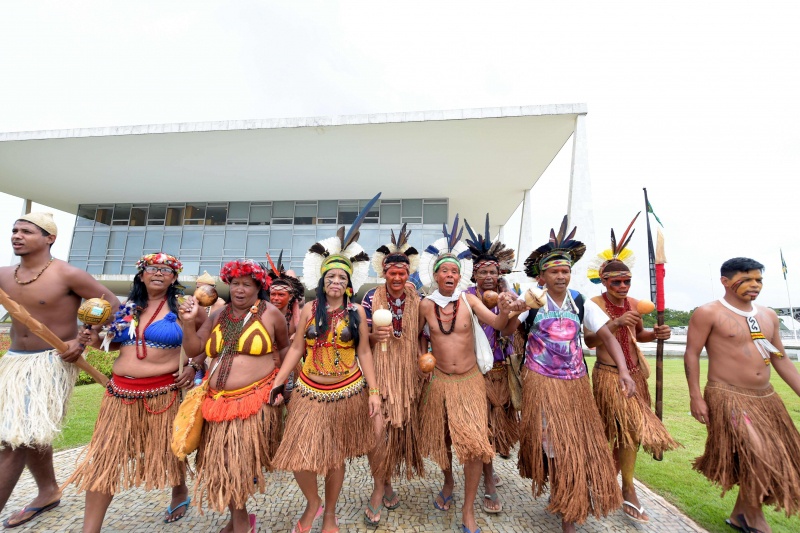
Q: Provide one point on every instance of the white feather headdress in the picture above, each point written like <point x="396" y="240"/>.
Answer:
<point x="450" y="244"/>
<point x="341" y="250"/>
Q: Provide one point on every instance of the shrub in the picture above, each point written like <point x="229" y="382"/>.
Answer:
<point x="101" y="360"/>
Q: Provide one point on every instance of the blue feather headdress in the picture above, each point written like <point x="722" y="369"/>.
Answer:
<point x="448" y="247"/>
<point x="560" y="247"/>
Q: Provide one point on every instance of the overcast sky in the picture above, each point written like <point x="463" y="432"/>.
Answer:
<point x="696" y="101"/>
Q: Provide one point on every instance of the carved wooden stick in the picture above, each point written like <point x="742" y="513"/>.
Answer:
<point x="21" y="315"/>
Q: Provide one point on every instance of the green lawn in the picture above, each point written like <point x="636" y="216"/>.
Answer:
<point x="81" y="415"/>
<point x="674" y="479"/>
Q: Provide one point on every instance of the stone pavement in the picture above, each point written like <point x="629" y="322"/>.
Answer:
<point x="281" y="506"/>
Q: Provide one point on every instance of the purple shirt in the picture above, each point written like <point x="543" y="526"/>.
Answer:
<point x="501" y="348"/>
<point x="554" y="349"/>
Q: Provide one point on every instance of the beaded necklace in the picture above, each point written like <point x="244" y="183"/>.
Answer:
<point x="396" y="307"/>
<point x="34" y="277"/>
<point x="452" y="320"/>
<point x="231" y="327"/>
<point x="141" y="337"/>
<point x="320" y="343"/>
<point x="622" y="334"/>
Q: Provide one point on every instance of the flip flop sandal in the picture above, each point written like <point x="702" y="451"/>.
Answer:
<point x="639" y="510"/>
<point x="170" y="510"/>
<point x="732" y="525"/>
<point x="389" y="498"/>
<point x="252" y="518"/>
<point x="375" y="512"/>
<point x="445" y="501"/>
<point x="465" y="529"/>
<point x="498" y="482"/>
<point x="494" y="499"/>
<point x="35" y="510"/>
<point x="744" y="526"/>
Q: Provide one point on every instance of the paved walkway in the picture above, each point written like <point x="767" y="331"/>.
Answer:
<point x="281" y="506"/>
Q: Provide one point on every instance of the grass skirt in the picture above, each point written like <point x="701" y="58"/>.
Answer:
<point x="572" y="453"/>
<point x="237" y="446"/>
<point x="321" y="435"/>
<point x="34" y="393"/>
<point x="130" y="446"/>
<point x="503" y="421"/>
<point x="752" y="442"/>
<point x="629" y="422"/>
<point x="454" y="404"/>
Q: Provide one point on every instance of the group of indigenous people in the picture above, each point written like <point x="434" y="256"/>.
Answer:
<point x="357" y="387"/>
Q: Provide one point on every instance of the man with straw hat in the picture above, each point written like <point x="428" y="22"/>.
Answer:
<point x="35" y="380"/>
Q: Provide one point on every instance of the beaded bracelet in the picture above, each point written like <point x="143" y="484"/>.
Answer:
<point x="374" y="390"/>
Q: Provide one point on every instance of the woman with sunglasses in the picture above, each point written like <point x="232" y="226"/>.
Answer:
<point x="130" y="446"/>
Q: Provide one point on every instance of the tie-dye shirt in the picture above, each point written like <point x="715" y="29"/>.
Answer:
<point x="554" y="348"/>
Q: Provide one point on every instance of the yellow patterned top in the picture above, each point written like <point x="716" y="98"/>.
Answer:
<point x="331" y="356"/>
<point x="254" y="340"/>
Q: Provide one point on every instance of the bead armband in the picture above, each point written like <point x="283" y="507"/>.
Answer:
<point x="195" y="366"/>
<point x="374" y="391"/>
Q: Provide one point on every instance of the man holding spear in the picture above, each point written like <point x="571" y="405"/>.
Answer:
<point x="628" y="422"/>
<point x="35" y="380"/>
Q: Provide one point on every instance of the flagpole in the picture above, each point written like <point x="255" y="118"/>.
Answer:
<point x="659" y="298"/>
<point x="788" y="295"/>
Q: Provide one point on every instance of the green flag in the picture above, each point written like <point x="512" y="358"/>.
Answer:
<point x="783" y="266"/>
<point x="650" y="210"/>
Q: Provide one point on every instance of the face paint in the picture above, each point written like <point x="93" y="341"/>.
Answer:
<point x="747" y="285"/>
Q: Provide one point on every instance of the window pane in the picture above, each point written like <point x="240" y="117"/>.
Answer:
<point x="195" y="211"/>
<point x="174" y="216"/>
<point x="279" y="238"/>
<point x="78" y="263"/>
<point x="412" y="208"/>
<point x="122" y="214"/>
<point x="257" y="244"/>
<point x="117" y="241"/>
<point x="305" y="214"/>
<point x="434" y="213"/>
<point x="81" y="241"/>
<point x="239" y="210"/>
<point x="301" y="244"/>
<point x="190" y="268"/>
<point x="99" y="245"/>
<point x="155" y="215"/>
<point x="390" y="213"/>
<point x="152" y="241"/>
<point x="85" y="217"/>
<point x="347" y="213"/>
<point x="192" y="240"/>
<point x="134" y="246"/>
<point x="328" y="208"/>
<point x="235" y="240"/>
<point x="138" y="216"/>
<point x="212" y="267"/>
<point x="112" y="267"/>
<point x="129" y="268"/>
<point x="260" y="215"/>
<point x="172" y="244"/>
<point x="103" y="216"/>
<point x="95" y="268"/>
<point x="216" y="215"/>
<point x="369" y="239"/>
<point x="212" y="245"/>
<point x="282" y="209"/>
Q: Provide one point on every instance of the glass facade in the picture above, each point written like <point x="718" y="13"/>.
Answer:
<point x="110" y="238"/>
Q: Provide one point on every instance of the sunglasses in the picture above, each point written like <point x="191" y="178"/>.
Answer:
<point x="155" y="269"/>
<point x="620" y="282"/>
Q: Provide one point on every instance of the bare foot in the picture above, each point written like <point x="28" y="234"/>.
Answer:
<point x="567" y="527"/>
<point x="313" y="510"/>
<point x="468" y="518"/>
<point x="376" y="503"/>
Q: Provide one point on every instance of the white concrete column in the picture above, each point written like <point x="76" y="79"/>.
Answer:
<point x="580" y="207"/>
<point x="27" y="206"/>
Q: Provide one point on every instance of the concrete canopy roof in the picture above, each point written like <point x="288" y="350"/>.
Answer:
<point x="481" y="159"/>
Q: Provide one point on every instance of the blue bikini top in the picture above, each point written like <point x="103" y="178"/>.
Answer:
<point x="165" y="334"/>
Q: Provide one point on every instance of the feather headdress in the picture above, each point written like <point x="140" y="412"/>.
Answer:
<point x="484" y="250"/>
<point x="449" y="246"/>
<point x="341" y="251"/>
<point x="281" y="277"/>
<point x="618" y="252"/>
<point x="398" y="248"/>
<point x="561" y="247"/>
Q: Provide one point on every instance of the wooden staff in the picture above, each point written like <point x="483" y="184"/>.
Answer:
<point x="661" y="259"/>
<point x="20" y="314"/>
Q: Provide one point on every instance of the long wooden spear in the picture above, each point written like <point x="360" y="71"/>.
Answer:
<point x="20" y="314"/>
<point x="661" y="259"/>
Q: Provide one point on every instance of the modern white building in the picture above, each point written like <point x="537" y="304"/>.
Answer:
<point x="213" y="191"/>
